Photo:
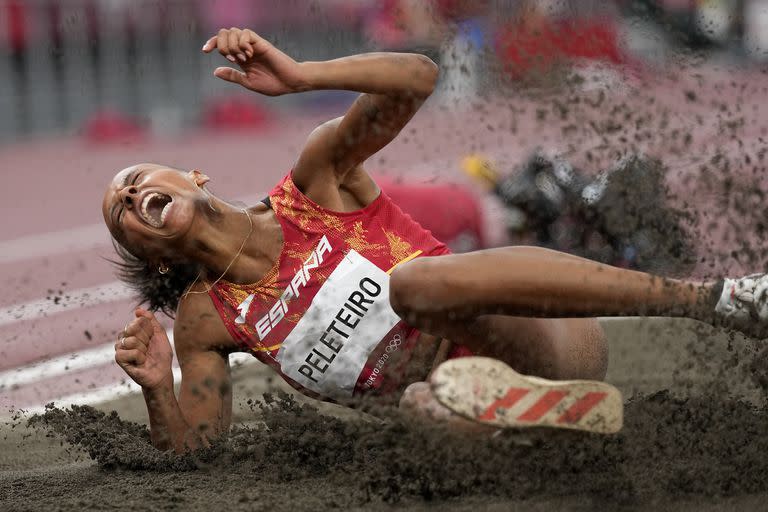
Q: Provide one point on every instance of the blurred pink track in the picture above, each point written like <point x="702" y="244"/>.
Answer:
<point x="60" y="298"/>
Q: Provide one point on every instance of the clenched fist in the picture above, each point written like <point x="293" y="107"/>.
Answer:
<point x="144" y="352"/>
<point x="265" y="69"/>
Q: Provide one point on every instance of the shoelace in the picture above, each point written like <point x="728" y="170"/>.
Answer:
<point x="744" y="295"/>
<point x="744" y="298"/>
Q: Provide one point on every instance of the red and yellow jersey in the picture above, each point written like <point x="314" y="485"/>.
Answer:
<point x="321" y="316"/>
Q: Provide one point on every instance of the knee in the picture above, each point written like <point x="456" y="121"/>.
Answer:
<point x="409" y="289"/>
<point x="419" y="401"/>
<point x="416" y="396"/>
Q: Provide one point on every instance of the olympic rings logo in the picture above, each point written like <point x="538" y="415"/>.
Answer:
<point x="394" y="343"/>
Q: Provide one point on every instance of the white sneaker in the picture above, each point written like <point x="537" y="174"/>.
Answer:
<point x="490" y="392"/>
<point x="743" y="304"/>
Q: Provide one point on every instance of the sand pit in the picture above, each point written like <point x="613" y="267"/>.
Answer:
<point x="693" y="438"/>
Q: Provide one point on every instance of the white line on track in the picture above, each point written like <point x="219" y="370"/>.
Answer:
<point x="95" y="396"/>
<point x="60" y="365"/>
<point x="56" y="242"/>
<point x="75" y="361"/>
<point x="68" y="301"/>
<point x="112" y="391"/>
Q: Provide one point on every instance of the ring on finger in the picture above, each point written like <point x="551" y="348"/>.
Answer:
<point x="123" y="335"/>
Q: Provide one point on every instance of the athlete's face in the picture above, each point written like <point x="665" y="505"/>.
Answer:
<point x="147" y="207"/>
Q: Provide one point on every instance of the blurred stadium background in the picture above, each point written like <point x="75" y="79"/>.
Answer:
<point x="88" y="87"/>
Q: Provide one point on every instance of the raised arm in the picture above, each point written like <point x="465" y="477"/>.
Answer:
<point x="203" y="409"/>
<point x="394" y="86"/>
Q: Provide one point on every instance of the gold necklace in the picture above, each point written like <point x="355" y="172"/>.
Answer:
<point x="242" y="246"/>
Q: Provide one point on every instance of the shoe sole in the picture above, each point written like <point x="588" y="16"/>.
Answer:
<point x="490" y="392"/>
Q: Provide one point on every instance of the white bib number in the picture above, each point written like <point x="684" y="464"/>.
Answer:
<point x="349" y="316"/>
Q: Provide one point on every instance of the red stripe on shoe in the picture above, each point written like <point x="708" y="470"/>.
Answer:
<point x="511" y="398"/>
<point x="582" y="407"/>
<point x="542" y="406"/>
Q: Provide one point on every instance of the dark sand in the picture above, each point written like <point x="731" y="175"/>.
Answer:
<point x="699" y="444"/>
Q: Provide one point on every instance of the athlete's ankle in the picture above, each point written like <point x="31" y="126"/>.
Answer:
<point x="704" y="306"/>
<point x="716" y="291"/>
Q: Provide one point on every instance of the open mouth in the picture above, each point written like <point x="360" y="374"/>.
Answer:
<point x="155" y="208"/>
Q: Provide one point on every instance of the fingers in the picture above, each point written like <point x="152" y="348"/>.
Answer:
<point x="141" y="312"/>
<point x="131" y="344"/>
<point x="222" y="43"/>
<point x="227" y="43"/>
<point x="245" y="43"/>
<point x="139" y="328"/>
<point x="210" y="44"/>
<point x="234" y="44"/>
<point x="130" y="357"/>
<point x="154" y="324"/>
<point x="231" y="75"/>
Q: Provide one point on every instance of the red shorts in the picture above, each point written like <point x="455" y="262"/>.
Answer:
<point x="458" y="351"/>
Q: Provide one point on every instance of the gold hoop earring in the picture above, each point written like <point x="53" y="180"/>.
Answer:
<point x="163" y="268"/>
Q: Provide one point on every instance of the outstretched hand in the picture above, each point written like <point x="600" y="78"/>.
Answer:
<point x="144" y="352"/>
<point x="265" y="69"/>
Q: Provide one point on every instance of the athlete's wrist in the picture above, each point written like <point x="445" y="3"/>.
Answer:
<point x="312" y="76"/>
<point x="163" y="386"/>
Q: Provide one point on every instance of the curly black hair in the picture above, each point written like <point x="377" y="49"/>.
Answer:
<point x="160" y="292"/>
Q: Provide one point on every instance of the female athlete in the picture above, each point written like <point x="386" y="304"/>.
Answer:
<point x="330" y="284"/>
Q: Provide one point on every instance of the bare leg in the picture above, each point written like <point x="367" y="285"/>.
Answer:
<point x="460" y="297"/>
<point x="536" y="282"/>
<point x="553" y="348"/>
<point x="559" y="349"/>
